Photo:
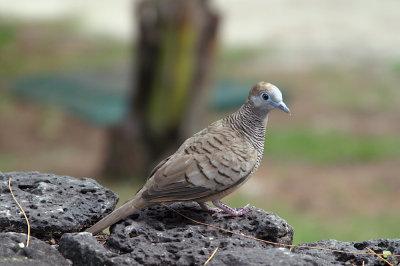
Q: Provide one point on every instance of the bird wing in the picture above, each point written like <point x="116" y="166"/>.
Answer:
<point x="205" y="165"/>
<point x="158" y="166"/>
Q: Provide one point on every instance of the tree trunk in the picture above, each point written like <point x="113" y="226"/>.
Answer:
<point x="175" y="49"/>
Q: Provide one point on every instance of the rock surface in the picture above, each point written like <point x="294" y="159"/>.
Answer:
<point x="157" y="235"/>
<point x="377" y="245"/>
<point x="57" y="205"/>
<point x="270" y="256"/>
<point x="83" y="249"/>
<point x="54" y="204"/>
<point x="37" y="253"/>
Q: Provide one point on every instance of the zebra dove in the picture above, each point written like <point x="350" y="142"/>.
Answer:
<point x="212" y="163"/>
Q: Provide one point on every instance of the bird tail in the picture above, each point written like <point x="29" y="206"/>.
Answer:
<point x="129" y="207"/>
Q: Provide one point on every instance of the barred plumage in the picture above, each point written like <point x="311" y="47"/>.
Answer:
<point x="212" y="163"/>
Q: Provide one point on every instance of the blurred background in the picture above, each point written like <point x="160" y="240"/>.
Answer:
<point x="107" y="89"/>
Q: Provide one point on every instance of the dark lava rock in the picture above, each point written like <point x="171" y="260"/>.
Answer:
<point x="338" y="258"/>
<point x="258" y="256"/>
<point x="54" y="204"/>
<point x="83" y="249"/>
<point x="57" y="205"/>
<point x="37" y="253"/>
<point x="157" y="235"/>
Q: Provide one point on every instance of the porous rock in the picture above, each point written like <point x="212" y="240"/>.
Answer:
<point x="38" y="253"/>
<point x="349" y="249"/>
<point x="270" y="256"/>
<point x="83" y="249"/>
<point x="54" y="204"/>
<point x="157" y="235"/>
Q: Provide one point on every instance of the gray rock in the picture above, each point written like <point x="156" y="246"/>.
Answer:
<point x="153" y="236"/>
<point x="37" y="253"/>
<point x="83" y="249"/>
<point x="270" y="256"/>
<point x="54" y="204"/>
<point x="157" y="235"/>
<point x="377" y="245"/>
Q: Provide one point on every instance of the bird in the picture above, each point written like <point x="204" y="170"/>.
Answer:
<point x="212" y="163"/>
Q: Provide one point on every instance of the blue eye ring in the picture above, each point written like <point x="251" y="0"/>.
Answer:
<point x="265" y="96"/>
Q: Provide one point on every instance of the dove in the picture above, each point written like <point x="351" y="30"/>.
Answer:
<point x="212" y="163"/>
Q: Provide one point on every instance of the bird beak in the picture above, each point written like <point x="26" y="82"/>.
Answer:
<point x="283" y="107"/>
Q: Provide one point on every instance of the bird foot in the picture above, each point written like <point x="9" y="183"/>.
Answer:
<point x="205" y="207"/>
<point x="231" y="211"/>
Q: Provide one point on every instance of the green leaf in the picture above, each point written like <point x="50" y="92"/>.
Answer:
<point x="386" y="253"/>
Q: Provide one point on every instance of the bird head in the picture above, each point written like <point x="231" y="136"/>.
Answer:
<point x="265" y="97"/>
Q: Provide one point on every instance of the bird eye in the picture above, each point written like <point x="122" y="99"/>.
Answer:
<point x="265" y="96"/>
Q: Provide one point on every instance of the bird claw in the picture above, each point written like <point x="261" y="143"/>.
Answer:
<point x="228" y="211"/>
<point x="224" y="210"/>
<point x="247" y="207"/>
<point x="242" y="211"/>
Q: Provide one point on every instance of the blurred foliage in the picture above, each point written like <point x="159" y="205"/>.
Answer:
<point x="326" y="147"/>
<point x="237" y="55"/>
<point x="395" y="66"/>
<point x="99" y="98"/>
<point x="53" y="63"/>
<point x="361" y="89"/>
<point x="7" y="101"/>
<point x="353" y="227"/>
<point x="7" y="162"/>
<point x="53" y="46"/>
<point x="8" y="32"/>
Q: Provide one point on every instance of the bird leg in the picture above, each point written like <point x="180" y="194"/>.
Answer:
<point x="205" y="207"/>
<point x="230" y="211"/>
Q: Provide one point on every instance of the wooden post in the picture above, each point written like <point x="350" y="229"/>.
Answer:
<point x="174" y="54"/>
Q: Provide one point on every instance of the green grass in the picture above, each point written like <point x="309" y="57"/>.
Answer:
<point x="352" y="227"/>
<point x="7" y="101"/>
<point x="329" y="147"/>
<point x="7" y="162"/>
<point x="395" y="66"/>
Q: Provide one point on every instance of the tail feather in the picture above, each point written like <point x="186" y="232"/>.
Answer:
<point x="128" y="208"/>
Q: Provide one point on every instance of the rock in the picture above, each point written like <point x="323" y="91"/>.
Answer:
<point x="37" y="253"/>
<point x="57" y="205"/>
<point x="83" y="249"/>
<point x="54" y="204"/>
<point x="258" y="256"/>
<point x="377" y="245"/>
<point x="156" y="235"/>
